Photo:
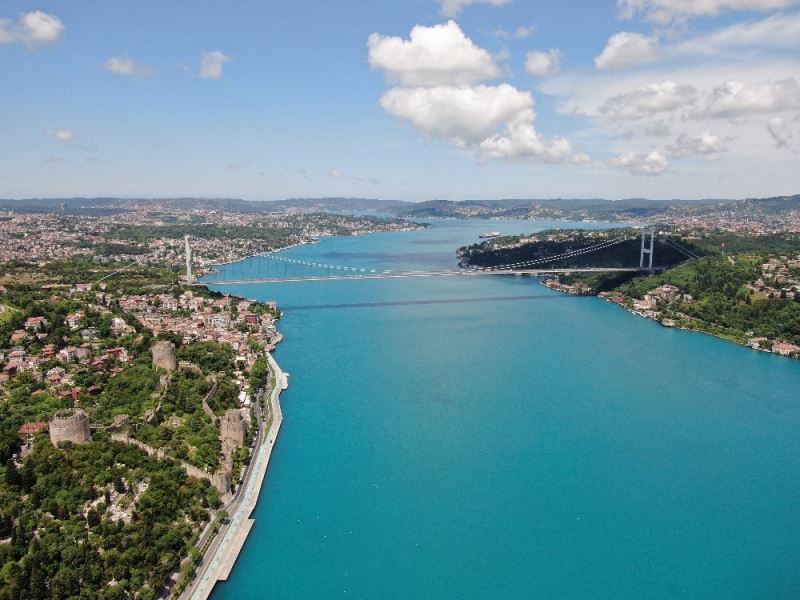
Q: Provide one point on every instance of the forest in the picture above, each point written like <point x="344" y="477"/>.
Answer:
<point x="66" y="542"/>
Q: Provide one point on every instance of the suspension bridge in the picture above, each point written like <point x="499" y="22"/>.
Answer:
<point x="272" y="267"/>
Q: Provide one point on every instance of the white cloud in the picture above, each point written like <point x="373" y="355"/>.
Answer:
<point x="780" y="131"/>
<point x="123" y="65"/>
<point x="62" y="135"/>
<point x="544" y="64"/>
<point x="705" y="146"/>
<point x="736" y="98"/>
<point x="212" y="64"/>
<point x="648" y="100"/>
<point x="627" y="48"/>
<point x="522" y="141"/>
<point x="335" y="173"/>
<point x="32" y="29"/>
<point x="451" y="8"/>
<point x="650" y="164"/>
<point x="437" y="55"/>
<point x="464" y="114"/>
<point x="664" y="11"/>
<point x="496" y="121"/>
<point x="439" y="70"/>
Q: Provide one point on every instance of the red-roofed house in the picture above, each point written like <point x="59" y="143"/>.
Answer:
<point x="28" y="430"/>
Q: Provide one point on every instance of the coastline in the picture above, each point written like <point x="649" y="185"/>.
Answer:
<point x="228" y="542"/>
<point x="211" y="267"/>
<point x="563" y="290"/>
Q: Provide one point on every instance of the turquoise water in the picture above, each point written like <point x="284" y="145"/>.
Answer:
<point x="515" y="443"/>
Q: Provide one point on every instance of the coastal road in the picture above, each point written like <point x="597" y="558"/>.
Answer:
<point x="232" y="508"/>
<point x="207" y="567"/>
<point x="222" y="554"/>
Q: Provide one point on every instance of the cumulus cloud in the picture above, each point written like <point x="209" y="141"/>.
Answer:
<point x="544" y="64"/>
<point x="737" y="98"/>
<point x="62" y="135"/>
<point x="626" y="49"/>
<point x="664" y="11"/>
<point x="437" y="55"/>
<point x="334" y="173"/>
<point x="31" y="29"/>
<point x="464" y="114"/>
<point x="705" y="146"/>
<point x="212" y="64"/>
<point x="780" y="131"/>
<point x="451" y="8"/>
<point x="522" y="141"/>
<point x="439" y="71"/>
<point x="650" y="164"/>
<point x="496" y="121"/>
<point x="648" y="100"/>
<point x="123" y="65"/>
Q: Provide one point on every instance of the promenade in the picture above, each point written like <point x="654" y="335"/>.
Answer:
<point x="224" y="550"/>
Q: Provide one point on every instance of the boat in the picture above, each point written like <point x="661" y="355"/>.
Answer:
<point x="490" y="234"/>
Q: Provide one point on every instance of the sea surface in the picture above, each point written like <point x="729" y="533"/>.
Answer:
<point x="485" y="437"/>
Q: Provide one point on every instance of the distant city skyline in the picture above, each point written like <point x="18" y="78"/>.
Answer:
<point x="413" y="100"/>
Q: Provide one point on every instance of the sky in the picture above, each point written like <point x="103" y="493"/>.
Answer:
<point x="411" y="99"/>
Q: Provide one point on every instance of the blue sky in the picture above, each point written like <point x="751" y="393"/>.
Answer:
<point x="655" y="98"/>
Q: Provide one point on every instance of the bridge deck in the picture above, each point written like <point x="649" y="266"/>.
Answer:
<point x="407" y="274"/>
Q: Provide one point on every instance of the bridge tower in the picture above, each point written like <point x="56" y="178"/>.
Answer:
<point x="648" y="246"/>
<point x="189" y="276"/>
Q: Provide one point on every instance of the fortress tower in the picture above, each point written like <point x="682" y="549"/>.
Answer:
<point x="232" y="427"/>
<point x="164" y="356"/>
<point x="70" y="425"/>
<point x="221" y="480"/>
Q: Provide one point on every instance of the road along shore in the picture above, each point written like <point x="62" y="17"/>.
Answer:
<point x="222" y="554"/>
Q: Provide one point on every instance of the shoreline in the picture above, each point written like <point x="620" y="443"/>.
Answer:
<point x="659" y="322"/>
<point x="227" y="544"/>
<point x="210" y="268"/>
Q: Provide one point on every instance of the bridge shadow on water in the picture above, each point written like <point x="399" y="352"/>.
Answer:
<point x="422" y="302"/>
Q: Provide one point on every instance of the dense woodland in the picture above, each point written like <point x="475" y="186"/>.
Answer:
<point x="64" y="544"/>
<point x="513" y="249"/>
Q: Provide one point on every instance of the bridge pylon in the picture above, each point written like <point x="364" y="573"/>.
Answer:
<point x="189" y="275"/>
<point x="648" y="247"/>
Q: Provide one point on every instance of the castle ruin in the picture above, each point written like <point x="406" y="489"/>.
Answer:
<point x="164" y="355"/>
<point x="70" y="425"/>
<point x="233" y="428"/>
